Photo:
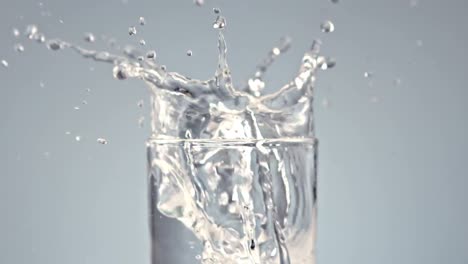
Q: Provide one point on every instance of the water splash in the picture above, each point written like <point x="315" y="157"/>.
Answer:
<point x="216" y="110"/>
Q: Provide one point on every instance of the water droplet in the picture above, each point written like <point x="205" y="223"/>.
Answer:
<point x="119" y="73"/>
<point x="76" y="108"/>
<point x="335" y="1"/>
<point x="88" y="90"/>
<point x="19" y="47"/>
<point x="199" y="2"/>
<point x="326" y="63"/>
<point x="5" y="63"/>
<point x="40" y="38"/>
<point x="142" y="21"/>
<point x="368" y="74"/>
<point x="67" y="133"/>
<point x="41" y="84"/>
<point x="223" y="199"/>
<point x="189" y="53"/>
<point x="163" y="67"/>
<point x="140" y="58"/>
<point x="78" y="138"/>
<point x="216" y="10"/>
<point x="327" y="26"/>
<point x="16" y="32"/>
<point x="219" y="23"/>
<point x="31" y="31"/>
<point x="132" y="31"/>
<point x="84" y="102"/>
<point x="198" y="257"/>
<point x="141" y="121"/>
<point x="102" y="141"/>
<point x="140" y="103"/>
<point x="151" y="54"/>
<point x="61" y="21"/>
<point x="89" y="37"/>
<point x="46" y="155"/>
<point x="142" y="42"/>
<point x="54" y="45"/>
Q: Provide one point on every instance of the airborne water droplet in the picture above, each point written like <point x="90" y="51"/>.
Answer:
<point x="78" y="138"/>
<point x="142" y="42"/>
<point x="16" y="32"/>
<point x="151" y="54"/>
<point x="335" y="1"/>
<point x="141" y="121"/>
<point x="199" y="2"/>
<point x="5" y="63"/>
<point x="19" y="47"/>
<point x="368" y="74"/>
<point x="189" y="53"/>
<point x="102" y="141"/>
<point x="327" y="26"/>
<point x="132" y="31"/>
<point x="54" y="45"/>
<point x="223" y="199"/>
<point x="89" y="37"/>
<point x="220" y="23"/>
<point x="142" y="21"/>
<point x="31" y="31"/>
<point x="216" y="10"/>
<point x="119" y="73"/>
<point x="140" y="103"/>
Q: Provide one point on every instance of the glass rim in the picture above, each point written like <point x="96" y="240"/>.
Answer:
<point x="235" y="142"/>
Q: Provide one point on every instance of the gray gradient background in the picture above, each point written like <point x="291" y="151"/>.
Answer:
<point x="393" y="174"/>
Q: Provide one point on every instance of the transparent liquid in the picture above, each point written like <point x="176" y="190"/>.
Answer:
<point x="232" y="169"/>
<point x="232" y="202"/>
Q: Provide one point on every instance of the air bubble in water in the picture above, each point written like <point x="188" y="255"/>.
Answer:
<point x="220" y="23"/>
<point x="5" y="63"/>
<point x="151" y="54"/>
<point x="16" y="32"/>
<point x="216" y="10"/>
<point x="199" y="2"/>
<point x="132" y="31"/>
<point x="89" y="37"/>
<point x="142" y="42"/>
<point x="327" y="26"/>
<point x="189" y="53"/>
<point x="19" y="47"/>
<point x="102" y="141"/>
<point x="142" y="21"/>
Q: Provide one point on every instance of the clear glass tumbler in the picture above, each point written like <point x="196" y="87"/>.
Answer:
<point x="232" y="201"/>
